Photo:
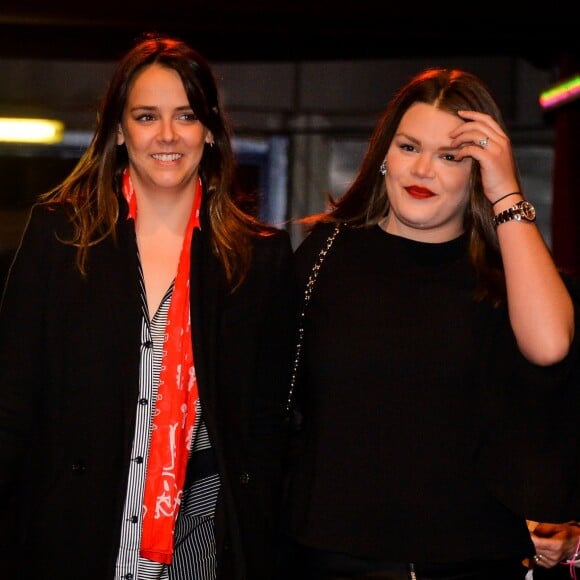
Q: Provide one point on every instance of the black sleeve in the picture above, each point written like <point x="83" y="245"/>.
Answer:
<point x="530" y="454"/>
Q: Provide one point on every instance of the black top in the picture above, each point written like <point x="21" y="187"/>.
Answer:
<point x="69" y="384"/>
<point x="398" y="400"/>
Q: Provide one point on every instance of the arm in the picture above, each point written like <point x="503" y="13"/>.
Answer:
<point x="540" y="307"/>
<point x="21" y="328"/>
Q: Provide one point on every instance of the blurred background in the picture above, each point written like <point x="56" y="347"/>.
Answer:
<point x="303" y="84"/>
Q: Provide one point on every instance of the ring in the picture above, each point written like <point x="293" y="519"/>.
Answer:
<point x="483" y="142"/>
<point x="537" y="557"/>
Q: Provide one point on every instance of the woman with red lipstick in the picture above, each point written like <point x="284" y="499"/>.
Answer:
<point x="436" y="337"/>
<point x="146" y="341"/>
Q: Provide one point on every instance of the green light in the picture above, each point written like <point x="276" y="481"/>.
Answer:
<point x="564" y="91"/>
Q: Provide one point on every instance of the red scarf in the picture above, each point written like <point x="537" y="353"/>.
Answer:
<point x="174" y="419"/>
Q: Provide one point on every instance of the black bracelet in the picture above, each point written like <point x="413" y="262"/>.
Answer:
<point x="507" y="195"/>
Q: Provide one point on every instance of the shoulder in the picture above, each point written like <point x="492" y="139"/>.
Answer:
<point x="45" y="221"/>
<point x="319" y="237"/>
<point x="315" y="237"/>
<point x="272" y="248"/>
<point x="273" y="239"/>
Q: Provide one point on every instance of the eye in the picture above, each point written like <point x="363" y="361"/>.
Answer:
<point x="407" y="147"/>
<point x="188" y="116"/>
<point x="454" y="157"/>
<point x="145" y="117"/>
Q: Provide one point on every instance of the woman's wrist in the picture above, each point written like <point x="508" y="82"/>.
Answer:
<point x="574" y="559"/>
<point x="507" y="201"/>
<point x="493" y="203"/>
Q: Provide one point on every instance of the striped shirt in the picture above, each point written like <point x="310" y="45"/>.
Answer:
<point x="194" y="538"/>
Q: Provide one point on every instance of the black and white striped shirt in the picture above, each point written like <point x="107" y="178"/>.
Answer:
<point x="194" y="538"/>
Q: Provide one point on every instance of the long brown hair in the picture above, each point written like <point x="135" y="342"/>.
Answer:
<point x="91" y="191"/>
<point x="365" y="202"/>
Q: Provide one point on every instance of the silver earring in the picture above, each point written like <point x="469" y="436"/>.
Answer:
<point x="383" y="168"/>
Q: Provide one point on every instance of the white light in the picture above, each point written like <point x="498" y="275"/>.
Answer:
<point x="15" y="130"/>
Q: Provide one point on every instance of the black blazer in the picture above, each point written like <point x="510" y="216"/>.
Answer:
<point x="69" y="362"/>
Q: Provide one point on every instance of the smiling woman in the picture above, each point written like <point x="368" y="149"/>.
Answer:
<point x="427" y="177"/>
<point x="431" y="348"/>
<point x="128" y="385"/>
<point x="165" y="142"/>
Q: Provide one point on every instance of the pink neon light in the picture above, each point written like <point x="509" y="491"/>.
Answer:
<point x="561" y="93"/>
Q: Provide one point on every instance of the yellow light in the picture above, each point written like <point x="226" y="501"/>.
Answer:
<point x="14" y="130"/>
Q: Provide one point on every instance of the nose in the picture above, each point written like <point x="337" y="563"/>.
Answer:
<point x="423" y="165"/>
<point x="167" y="130"/>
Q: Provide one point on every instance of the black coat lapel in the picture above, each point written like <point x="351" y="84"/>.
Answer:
<point x="207" y="288"/>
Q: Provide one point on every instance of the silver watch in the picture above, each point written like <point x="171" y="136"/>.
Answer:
<point x="522" y="210"/>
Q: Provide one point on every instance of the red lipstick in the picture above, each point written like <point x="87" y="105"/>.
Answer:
<point x="419" y="192"/>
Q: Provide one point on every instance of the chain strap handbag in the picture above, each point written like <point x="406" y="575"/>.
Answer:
<point x="307" y="294"/>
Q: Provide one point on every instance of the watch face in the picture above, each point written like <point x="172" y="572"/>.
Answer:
<point x="529" y="211"/>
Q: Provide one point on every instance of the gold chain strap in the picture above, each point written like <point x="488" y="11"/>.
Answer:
<point x="307" y="295"/>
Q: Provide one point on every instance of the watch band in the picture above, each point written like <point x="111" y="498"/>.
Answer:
<point x="522" y="210"/>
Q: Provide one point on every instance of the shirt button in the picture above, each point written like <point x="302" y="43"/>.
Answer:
<point x="138" y="459"/>
<point x="148" y="344"/>
<point x="143" y="401"/>
<point x="245" y="477"/>
<point x="129" y="576"/>
<point x="134" y="519"/>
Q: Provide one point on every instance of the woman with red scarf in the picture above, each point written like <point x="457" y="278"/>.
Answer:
<point x="146" y="334"/>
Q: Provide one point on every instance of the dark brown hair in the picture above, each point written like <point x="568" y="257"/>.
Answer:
<point x="365" y="202"/>
<point x="91" y="191"/>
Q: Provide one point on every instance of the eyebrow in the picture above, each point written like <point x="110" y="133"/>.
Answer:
<point x="417" y="142"/>
<point x="404" y="135"/>
<point x="155" y="107"/>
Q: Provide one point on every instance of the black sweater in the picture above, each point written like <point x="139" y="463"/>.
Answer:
<point x="405" y="417"/>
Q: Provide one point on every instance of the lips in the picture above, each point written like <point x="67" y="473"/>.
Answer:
<point x="419" y="192"/>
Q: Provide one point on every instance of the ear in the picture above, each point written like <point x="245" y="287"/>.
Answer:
<point x="120" y="136"/>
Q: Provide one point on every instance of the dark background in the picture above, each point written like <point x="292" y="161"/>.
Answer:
<point x="230" y="30"/>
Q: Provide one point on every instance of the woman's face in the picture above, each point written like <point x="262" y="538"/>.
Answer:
<point x="428" y="189"/>
<point x="164" y="138"/>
